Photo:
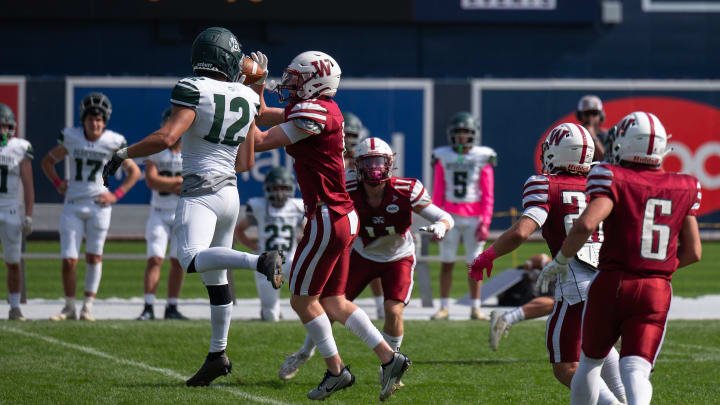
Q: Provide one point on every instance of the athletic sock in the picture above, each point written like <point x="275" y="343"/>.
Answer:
<point x="93" y="273"/>
<point x="320" y="331"/>
<point x="610" y="373"/>
<point x="359" y="323"/>
<point x="172" y="301"/>
<point x="88" y="302"/>
<point x="308" y="347"/>
<point x="635" y="372"/>
<point x="220" y="323"/>
<point x="475" y="302"/>
<point x="514" y="316"/>
<point x="379" y="301"/>
<point x="445" y="302"/>
<point x="585" y="386"/>
<point x="393" y="341"/>
<point x="221" y="258"/>
<point x="149" y="299"/>
<point x="14" y="299"/>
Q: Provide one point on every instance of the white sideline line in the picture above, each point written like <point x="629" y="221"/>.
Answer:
<point x="164" y="371"/>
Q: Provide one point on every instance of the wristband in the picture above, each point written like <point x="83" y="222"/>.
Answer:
<point x="560" y="258"/>
<point x="122" y="153"/>
<point x="57" y="182"/>
<point x="119" y="193"/>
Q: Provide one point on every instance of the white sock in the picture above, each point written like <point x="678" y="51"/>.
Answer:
<point x="475" y="302"/>
<point x="14" y="299"/>
<point x="172" y="300"/>
<point x="585" y="386"/>
<point x="149" y="299"/>
<point x="308" y="347"/>
<point x="611" y="375"/>
<point x="269" y="298"/>
<point x="514" y="316"/>
<point x="93" y="273"/>
<point x="605" y="396"/>
<point x="393" y="341"/>
<point x="379" y="301"/>
<point x="635" y="372"/>
<point x="359" y="323"/>
<point x="221" y="258"/>
<point x="88" y="303"/>
<point x="220" y="323"/>
<point x="320" y="331"/>
<point x="445" y="302"/>
<point x="70" y="301"/>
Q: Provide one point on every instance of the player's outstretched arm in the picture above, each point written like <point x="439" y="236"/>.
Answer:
<point x="274" y="137"/>
<point x="245" y="158"/>
<point x="26" y="178"/>
<point x="268" y="116"/>
<point x="512" y="238"/>
<point x="180" y="120"/>
<point x="690" y="247"/>
<point x="48" y="163"/>
<point x="242" y="237"/>
<point x="165" y="184"/>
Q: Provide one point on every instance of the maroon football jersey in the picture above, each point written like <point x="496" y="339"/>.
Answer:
<point x="561" y="197"/>
<point x="384" y="230"/>
<point x="319" y="164"/>
<point x="650" y="205"/>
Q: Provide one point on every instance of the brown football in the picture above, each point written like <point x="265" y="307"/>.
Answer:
<point x="252" y="71"/>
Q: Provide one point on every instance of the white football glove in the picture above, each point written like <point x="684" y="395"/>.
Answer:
<point x="438" y="229"/>
<point x="27" y="226"/>
<point x="556" y="269"/>
<point x="262" y="60"/>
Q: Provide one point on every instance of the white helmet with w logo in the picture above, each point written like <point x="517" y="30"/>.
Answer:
<point x="640" y="137"/>
<point x="374" y="161"/>
<point x="309" y="75"/>
<point x="568" y="147"/>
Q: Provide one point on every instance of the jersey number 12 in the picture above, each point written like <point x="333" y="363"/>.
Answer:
<point x="238" y="104"/>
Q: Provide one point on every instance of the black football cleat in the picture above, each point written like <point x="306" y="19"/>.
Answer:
<point x="270" y="264"/>
<point x="171" y="312"/>
<point x="214" y="367"/>
<point x="147" y="314"/>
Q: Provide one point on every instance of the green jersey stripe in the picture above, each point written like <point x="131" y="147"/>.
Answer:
<point x="185" y="96"/>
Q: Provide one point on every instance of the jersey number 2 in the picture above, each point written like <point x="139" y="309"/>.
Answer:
<point x="238" y="104"/>
<point x="652" y="232"/>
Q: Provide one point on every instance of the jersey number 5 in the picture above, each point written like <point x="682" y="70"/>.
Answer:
<point x="655" y="237"/>
<point x="238" y="104"/>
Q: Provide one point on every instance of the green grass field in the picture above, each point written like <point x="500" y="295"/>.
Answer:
<point x="127" y="362"/>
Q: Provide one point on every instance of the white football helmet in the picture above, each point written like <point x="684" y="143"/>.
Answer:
<point x="374" y="161"/>
<point x="640" y="137"/>
<point x="309" y="75"/>
<point x="568" y="147"/>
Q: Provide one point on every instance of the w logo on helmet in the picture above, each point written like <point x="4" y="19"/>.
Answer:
<point x="556" y="135"/>
<point x="322" y="67"/>
<point x="624" y="125"/>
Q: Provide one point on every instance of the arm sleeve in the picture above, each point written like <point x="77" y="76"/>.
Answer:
<point x="487" y="190"/>
<point x="29" y="152"/>
<point x="185" y="94"/>
<point x="418" y="195"/>
<point x="696" y="204"/>
<point x="438" y="194"/>
<point x="300" y="128"/>
<point x="600" y="183"/>
<point x="434" y="214"/>
<point x="536" y="205"/>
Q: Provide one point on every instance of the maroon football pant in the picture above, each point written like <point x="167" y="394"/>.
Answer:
<point x="626" y="305"/>
<point x="396" y="277"/>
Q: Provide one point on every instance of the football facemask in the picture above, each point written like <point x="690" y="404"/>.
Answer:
<point x="374" y="169"/>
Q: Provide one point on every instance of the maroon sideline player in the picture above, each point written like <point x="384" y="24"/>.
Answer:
<point x="311" y="129"/>
<point x="644" y="212"/>
<point x="385" y="248"/>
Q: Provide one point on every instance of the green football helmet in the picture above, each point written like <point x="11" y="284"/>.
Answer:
<point x="165" y="116"/>
<point x="7" y="117"/>
<point x="95" y="103"/>
<point x="217" y="50"/>
<point x="279" y="186"/>
<point x="355" y="131"/>
<point x="462" y="124"/>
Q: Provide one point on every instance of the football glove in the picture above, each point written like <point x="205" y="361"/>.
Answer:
<point x="262" y="60"/>
<point x="27" y="226"/>
<point x="556" y="269"/>
<point x="481" y="232"/>
<point x="438" y="230"/>
<point x="113" y="165"/>
<point x="482" y="262"/>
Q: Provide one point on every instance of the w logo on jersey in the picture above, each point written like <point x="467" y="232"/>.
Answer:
<point x="322" y="67"/>
<point x="556" y="135"/>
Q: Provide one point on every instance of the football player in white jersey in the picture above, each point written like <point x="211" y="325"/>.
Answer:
<point x="464" y="187"/>
<point x="163" y="174"/>
<point x="15" y="168"/>
<point x="215" y="115"/>
<point x="87" y="207"/>
<point x="278" y="216"/>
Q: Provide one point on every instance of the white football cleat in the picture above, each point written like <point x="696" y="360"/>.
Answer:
<point x="292" y="364"/>
<point x="68" y="312"/>
<point x="85" y="314"/>
<point x="498" y="329"/>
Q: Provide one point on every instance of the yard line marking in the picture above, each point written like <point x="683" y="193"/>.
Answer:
<point x="164" y="371"/>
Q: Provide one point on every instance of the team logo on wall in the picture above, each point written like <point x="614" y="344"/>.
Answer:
<point x="694" y="141"/>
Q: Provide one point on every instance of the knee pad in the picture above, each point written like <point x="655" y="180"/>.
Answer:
<point x="219" y="294"/>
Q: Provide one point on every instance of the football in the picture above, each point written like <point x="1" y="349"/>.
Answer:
<point x="252" y="71"/>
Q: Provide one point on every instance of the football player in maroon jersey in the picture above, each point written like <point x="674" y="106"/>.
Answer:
<point x="311" y="129"/>
<point x="552" y="201"/>
<point x="385" y="248"/>
<point x="645" y="212"/>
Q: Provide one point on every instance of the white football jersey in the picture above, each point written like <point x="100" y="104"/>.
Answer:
<point x="462" y="171"/>
<point x="224" y="112"/>
<point x="87" y="159"/>
<point x="168" y="164"/>
<point x="276" y="226"/>
<point x="11" y="155"/>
